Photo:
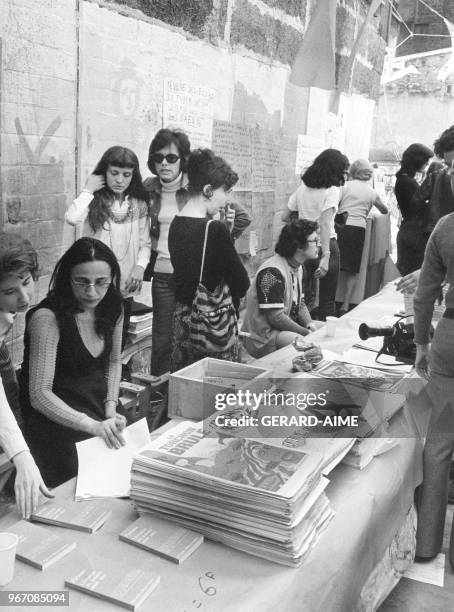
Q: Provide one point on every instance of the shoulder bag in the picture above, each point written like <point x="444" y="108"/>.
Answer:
<point x="213" y="325"/>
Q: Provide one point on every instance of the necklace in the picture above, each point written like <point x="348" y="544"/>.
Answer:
<point x="122" y="217"/>
<point x="129" y="240"/>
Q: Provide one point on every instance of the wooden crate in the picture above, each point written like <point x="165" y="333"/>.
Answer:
<point x="192" y="389"/>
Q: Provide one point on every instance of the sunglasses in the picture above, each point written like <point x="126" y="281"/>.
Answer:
<point x="170" y="158"/>
<point x="99" y="284"/>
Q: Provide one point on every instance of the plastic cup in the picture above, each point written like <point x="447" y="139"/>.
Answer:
<point x="330" y="327"/>
<point x="8" y="543"/>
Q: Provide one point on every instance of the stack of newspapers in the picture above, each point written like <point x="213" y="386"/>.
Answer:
<point x="261" y="499"/>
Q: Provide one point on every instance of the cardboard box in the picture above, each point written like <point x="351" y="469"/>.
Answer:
<point x="192" y="389"/>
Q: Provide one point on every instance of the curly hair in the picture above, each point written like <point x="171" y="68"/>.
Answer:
<point x="206" y="168"/>
<point x="121" y="157"/>
<point x="294" y="236"/>
<point x="414" y="158"/>
<point x="327" y="170"/>
<point x="164" y="138"/>
<point x="445" y="142"/>
<point x="17" y="256"/>
<point x="361" y="170"/>
<point x="61" y="293"/>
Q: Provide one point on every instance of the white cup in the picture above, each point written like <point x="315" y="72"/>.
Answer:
<point x="330" y="326"/>
<point x="8" y="543"/>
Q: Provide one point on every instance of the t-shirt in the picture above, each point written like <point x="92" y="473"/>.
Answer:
<point x="310" y="203"/>
<point x="271" y="291"/>
<point x="357" y="198"/>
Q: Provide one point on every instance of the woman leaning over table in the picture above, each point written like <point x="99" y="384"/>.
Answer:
<point x="437" y="366"/>
<point x="210" y="181"/>
<point x="168" y="193"/>
<point x="317" y="199"/>
<point x="71" y="370"/>
<point x="18" y="271"/>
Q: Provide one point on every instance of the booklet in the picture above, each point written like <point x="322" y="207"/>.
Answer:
<point x="83" y="516"/>
<point x="125" y="586"/>
<point x="163" y="538"/>
<point x="39" y="547"/>
<point x="112" y="475"/>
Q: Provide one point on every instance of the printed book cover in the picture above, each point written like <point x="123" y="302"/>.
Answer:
<point x="163" y="538"/>
<point x="39" y="547"/>
<point x="83" y="516"/>
<point x="125" y="586"/>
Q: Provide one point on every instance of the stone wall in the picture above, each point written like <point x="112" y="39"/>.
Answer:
<point x="78" y="76"/>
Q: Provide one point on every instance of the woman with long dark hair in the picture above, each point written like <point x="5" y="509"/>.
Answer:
<point x="210" y="181"/>
<point x="317" y="199"/>
<point x="411" y="240"/>
<point x="113" y="208"/>
<point x="71" y="370"/>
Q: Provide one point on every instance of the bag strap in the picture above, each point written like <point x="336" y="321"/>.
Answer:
<point x="204" y="249"/>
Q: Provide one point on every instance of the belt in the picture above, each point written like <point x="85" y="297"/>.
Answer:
<point x="448" y="313"/>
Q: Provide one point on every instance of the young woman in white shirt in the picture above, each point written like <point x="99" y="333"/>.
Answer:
<point x="113" y="208"/>
<point x="317" y="199"/>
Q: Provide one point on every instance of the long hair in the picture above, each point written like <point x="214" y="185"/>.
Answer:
<point x="61" y="294"/>
<point x="327" y="170"/>
<point x="206" y="168"/>
<point x="98" y="211"/>
<point x="17" y="256"/>
<point x="414" y="158"/>
<point x="164" y="138"/>
<point x="294" y="236"/>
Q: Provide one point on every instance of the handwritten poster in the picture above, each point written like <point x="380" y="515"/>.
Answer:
<point x="265" y="159"/>
<point x="307" y="149"/>
<point x="233" y="142"/>
<point x="189" y="106"/>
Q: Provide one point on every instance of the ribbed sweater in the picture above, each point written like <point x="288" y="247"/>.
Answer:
<point x="438" y="266"/>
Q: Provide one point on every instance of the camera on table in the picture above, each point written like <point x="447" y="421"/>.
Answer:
<point x="398" y="340"/>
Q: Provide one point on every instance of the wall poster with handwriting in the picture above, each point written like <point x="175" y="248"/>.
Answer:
<point x="190" y="107"/>
<point x="232" y="141"/>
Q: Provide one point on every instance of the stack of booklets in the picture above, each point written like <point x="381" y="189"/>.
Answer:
<point x="140" y="326"/>
<point x="39" y="547"/>
<point x="82" y="516"/>
<point x="258" y="498"/>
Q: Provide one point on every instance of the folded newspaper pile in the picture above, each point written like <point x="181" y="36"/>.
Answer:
<point x="261" y="499"/>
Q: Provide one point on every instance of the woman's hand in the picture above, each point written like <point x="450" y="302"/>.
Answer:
<point x="109" y="431"/>
<point x="28" y="484"/>
<point x="408" y="283"/>
<point x="422" y="360"/>
<point x="229" y="217"/>
<point x="322" y="269"/>
<point x="134" y="280"/>
<point x="94" y="182"/>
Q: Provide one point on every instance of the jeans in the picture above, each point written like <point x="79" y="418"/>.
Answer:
<point x="328" y="284"/>
<point x="163" y="293"/>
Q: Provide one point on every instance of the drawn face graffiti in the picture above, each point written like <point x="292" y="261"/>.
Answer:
<point x="129" y="96"/>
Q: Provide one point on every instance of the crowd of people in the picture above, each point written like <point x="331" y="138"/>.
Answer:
<point x="179" y="227"/>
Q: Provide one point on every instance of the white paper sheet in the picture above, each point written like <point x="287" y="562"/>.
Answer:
<point x="432" y="572"/>
<point x="106" y="472"/>
<point x="367" y="358"/>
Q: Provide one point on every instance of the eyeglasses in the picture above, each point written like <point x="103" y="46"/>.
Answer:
<point x="170" y="158"/>
<point x="315" y="240"/>
<point x="99" y="284"/>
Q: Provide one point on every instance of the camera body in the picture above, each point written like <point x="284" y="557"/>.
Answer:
<point x="398" y="340"/>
